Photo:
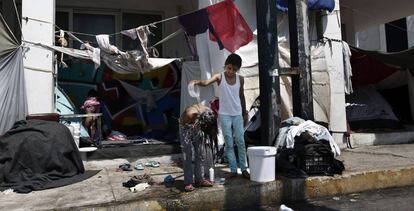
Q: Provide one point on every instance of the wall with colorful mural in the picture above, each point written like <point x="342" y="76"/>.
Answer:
<point x="141" y="105"/>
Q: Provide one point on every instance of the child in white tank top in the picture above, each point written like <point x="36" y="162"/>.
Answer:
<point x="232" y="111"/>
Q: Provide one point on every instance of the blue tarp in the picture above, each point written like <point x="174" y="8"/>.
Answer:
<point x="312" y="4"/>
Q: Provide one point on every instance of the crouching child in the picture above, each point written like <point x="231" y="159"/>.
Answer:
<point x="198" y="127"/>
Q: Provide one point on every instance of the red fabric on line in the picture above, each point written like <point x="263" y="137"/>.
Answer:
<point x="230" y="27"/>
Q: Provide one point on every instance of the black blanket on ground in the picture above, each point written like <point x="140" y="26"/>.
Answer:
<point x="37" y="155"/>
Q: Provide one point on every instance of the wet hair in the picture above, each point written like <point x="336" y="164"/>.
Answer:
<point x="207" y="121"/>
<point x="234" y="60"/>
<point x="208" y="126"/>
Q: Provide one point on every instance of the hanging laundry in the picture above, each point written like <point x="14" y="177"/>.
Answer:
<point x="64" y="43"/>
<point x="346" y="52"/>
<point x="105" y="45"/>
<point x="132" y="33"/>
<point x="227" y="27"/>
<point x="230" y="26"/>
<point x="195" y="23"/>
<point x="93" y="53"/>
<point x="122" y="61"/>
<point x="143" y="32"/>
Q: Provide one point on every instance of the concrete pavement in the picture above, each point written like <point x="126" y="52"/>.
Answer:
<point x="367" y="168"/>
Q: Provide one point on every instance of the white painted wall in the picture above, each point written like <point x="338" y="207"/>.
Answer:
<point x="373" y="39"/>
<point x="176" y="47"/>
<point x="38" y="62"/>
<point x="332" y="26"/>
<point x="410" y="31"/>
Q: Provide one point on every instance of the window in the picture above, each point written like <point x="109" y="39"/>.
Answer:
<point x="93" y="24"/>
<point x="101" y="22"/>
<point x="132" y="20"/>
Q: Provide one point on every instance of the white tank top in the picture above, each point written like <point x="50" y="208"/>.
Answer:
<point x="229" y="100"/>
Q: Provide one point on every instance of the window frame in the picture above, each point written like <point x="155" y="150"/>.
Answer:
<point x="118" y="14"/>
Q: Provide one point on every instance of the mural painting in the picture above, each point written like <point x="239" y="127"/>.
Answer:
<point x="138" y="105"/>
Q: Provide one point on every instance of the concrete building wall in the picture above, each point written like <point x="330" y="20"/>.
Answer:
<point x="410" y="31"/>
<point x="38" y="62"/>
<point x="176" y="47"/>
<point x="374" y="38"/>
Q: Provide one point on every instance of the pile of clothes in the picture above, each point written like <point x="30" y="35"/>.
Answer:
<point x="306" y="148"/>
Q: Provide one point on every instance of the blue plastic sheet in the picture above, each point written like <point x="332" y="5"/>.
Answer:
<point x="312" y="5"/>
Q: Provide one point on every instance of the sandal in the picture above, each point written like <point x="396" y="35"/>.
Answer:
<point x="139" y="166"/>
<point x="188" y="188"/>
<point x="125" y="167"/>
<point x="204" y="183"/>
<point x="153" y="164"/>
<point x="246" y="174"/>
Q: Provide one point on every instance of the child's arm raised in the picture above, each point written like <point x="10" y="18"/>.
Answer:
<point x="215" y="78"/>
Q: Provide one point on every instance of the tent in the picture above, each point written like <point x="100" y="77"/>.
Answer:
<point x="13" y="105"/>
<point x="389" y="73"/>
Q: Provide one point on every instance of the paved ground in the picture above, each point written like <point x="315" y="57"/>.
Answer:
<point x="385" y="166"/>
<point x="387" y="199"/>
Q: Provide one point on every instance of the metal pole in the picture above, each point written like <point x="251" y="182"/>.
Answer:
<point x="300" y="57"/>
<point x="268" y="70"/>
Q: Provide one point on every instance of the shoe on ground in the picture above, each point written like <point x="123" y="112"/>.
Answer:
<point x="246" y="174"/>
<point x="188" y="188"/>
<point x="204" y="183"/>
<point x="139" y="166"/>
<point x="125" y="167"/>
<point x="153" y="164"/>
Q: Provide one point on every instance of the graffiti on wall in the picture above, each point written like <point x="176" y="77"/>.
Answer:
<point x="142" y="105"/>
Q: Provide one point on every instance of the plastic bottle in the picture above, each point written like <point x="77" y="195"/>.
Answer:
<point x="211" y="172"/>
<point x="76" y="133"/>
<point x="71" y="129"/>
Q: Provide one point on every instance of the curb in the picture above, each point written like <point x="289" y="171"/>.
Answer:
<point x="253" y="194"/>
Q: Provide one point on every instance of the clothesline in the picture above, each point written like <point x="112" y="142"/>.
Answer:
<point x="72" y="33"/>
<point x="112" y="34"/>
<point x="224" y="32"/>
<point x="175" y="17"/>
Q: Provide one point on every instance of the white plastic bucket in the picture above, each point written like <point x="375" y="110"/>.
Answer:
<point x="262" y="163"/>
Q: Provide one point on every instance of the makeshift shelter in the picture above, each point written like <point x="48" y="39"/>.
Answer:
<point x="211" y="60"/>
<point x="37" y="155"/>
<point x="13" y="105"/>
<point x="374" y="72"/>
